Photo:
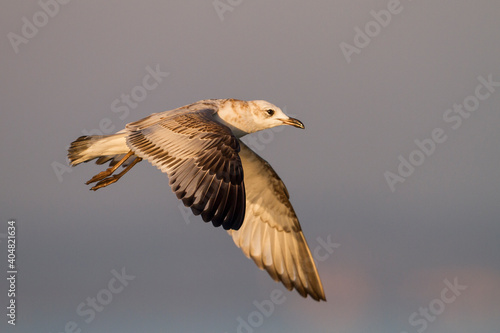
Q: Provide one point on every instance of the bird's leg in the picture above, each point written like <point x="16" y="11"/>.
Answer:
<point x="113" y="179"/>
<point x="106" y="173"/>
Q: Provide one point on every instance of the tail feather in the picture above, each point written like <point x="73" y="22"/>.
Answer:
<point x="104" y="147"/>
<point x="77" y="149"/>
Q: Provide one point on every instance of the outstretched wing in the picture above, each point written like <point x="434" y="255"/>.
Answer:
<point x="271" y="234"/>
<point x="200" y="157"/>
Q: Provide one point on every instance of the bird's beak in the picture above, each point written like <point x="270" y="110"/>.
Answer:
<point x="294" y="122"/>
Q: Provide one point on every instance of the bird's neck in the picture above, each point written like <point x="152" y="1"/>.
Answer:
<point x="238" y="132"/>
<point x="236" y="115"/>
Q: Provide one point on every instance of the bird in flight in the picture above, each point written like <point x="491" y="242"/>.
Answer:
<point x="219" y="177"/>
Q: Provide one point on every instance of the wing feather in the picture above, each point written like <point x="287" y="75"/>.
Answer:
<point x="200" y="157"/>
<point x="271" y="234"/>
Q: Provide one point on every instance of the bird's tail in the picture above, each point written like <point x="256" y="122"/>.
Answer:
<point x="86" y="148"/>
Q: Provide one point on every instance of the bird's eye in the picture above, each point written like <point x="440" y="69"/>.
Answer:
<point x="270" y="112"/>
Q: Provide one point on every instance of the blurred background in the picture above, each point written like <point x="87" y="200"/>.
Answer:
<point x="416" y="231"/>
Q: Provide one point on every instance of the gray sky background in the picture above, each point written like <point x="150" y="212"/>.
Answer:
<point x="396" y="247"/>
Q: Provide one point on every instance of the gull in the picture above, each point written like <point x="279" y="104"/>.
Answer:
<point x="219" y="177"/>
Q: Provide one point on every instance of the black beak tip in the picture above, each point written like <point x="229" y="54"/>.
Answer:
<point x="294" y="122"/>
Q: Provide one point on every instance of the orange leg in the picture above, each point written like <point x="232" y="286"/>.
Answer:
<point x="113" y="179"/>
<point x="109" y="171"/>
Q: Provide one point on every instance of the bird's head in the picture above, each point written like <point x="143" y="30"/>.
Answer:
<point x="267" y="115"/>
<point x="248" y="117"/>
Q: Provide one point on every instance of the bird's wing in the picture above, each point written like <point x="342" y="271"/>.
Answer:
<point x="271" y="234"/>
<point x="200" y="157"/>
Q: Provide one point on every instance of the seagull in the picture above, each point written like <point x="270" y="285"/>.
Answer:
<point x="220" y="178"/>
